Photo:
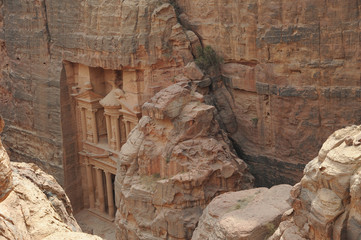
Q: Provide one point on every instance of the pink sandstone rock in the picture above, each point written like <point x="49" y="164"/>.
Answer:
<point x="5" y="170"/>
<point x="37" y="206"/>
<point x="245" y="215"/>
<point x="174" y="163"/>
<point x="326" y="203"/>
<point x="71" y="236"/>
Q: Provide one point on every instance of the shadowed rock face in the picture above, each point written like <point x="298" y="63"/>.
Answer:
<point x="174" y="163"/>
<point x="326" y="203"/>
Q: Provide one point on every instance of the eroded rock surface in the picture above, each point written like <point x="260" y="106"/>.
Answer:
<point x="71" y="236"/>
<point x="294" y="69"/>
<point x="174" y="163"/>
<point x="37" y="206"/>
<point x="245" y="215"/>
<point x="5" y="170"/>
<point x="326" y="203"/>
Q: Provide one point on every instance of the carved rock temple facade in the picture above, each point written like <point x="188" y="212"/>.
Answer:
<point x="107" y="105"/>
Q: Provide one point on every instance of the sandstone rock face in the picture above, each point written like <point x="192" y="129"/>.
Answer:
<point x="294" y="69"/>
<point x="174" y="163"/>
<point x="326" y="203"/>
<point x="36" y="40"/>
<point x="37" y="207"/>
<point x="5" y="170"/>
<point x="245" y="215"/>
<point x="71" y="236"/>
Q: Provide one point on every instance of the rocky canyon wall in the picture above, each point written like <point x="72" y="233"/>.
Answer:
<point x="39" y="37"/>
<point x="293" y="70"/>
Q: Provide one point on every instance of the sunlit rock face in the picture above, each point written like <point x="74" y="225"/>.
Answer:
<point x="292" y="71"/>
<point x="174" y="163"/>
<point x="38" y="42"/>
<point x="6" y="184"/>
<point x="295" y="73"/>
<point x="244" y="215"/>
<point x="33" y="205"/>
<point x="326" y="203"/>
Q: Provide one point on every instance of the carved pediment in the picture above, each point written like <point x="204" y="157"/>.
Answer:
<point x="89" y="97"/>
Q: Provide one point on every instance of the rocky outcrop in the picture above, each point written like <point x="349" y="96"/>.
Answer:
<point x="174" y="163"/>
<point x="326" y="203"/>
<point x="37" y="206"/>
<point x="71" y="236"/>
<point x="33" y="205"/>
<point x="5" y="170"/>
<point x="245" y="215"/>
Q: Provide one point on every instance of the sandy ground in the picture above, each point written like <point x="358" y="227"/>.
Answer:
<point x="92" y="224"/>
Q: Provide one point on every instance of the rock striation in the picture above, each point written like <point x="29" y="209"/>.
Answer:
<point x="245" y="215"/>
<point x="175" y="161"/>
<point x="294" y="69"/>
<point x="326" y="203"/>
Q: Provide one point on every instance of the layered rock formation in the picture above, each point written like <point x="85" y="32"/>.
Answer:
<point x="174" y="163"/>
<point x="326" y="203"/>
<point x="37" y="39"/>
<point x="293" y="70"/>
<point x="295" y="73"/>
<point x="245" y="215"/>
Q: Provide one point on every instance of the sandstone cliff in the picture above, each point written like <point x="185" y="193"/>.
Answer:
<point x="292" y="66"/>
<point x="295" y="73"/>
<point x="326" y="203"/>
<point x="174" y="163"/>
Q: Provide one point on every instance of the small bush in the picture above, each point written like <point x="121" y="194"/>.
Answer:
<point x="207" y="58"/>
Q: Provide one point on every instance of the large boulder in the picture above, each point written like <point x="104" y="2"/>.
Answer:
<point x="37" y="206"/>
<point x="327" y="201"/>
<point x="174" y="163"/>
<point x="245" y="215"/>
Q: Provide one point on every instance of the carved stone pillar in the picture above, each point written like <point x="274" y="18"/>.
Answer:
<point x="111" y="106"/>
<point x="89" y="174"/>
<point x="111" y="209"/>
<point x="100" y="190"/>
<point x="127" y="128"/>
<point x="83" y="123"/>
<point x="94" y="127"/>
<point x="117" y="132"/>
<point x="108" y="124"/>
